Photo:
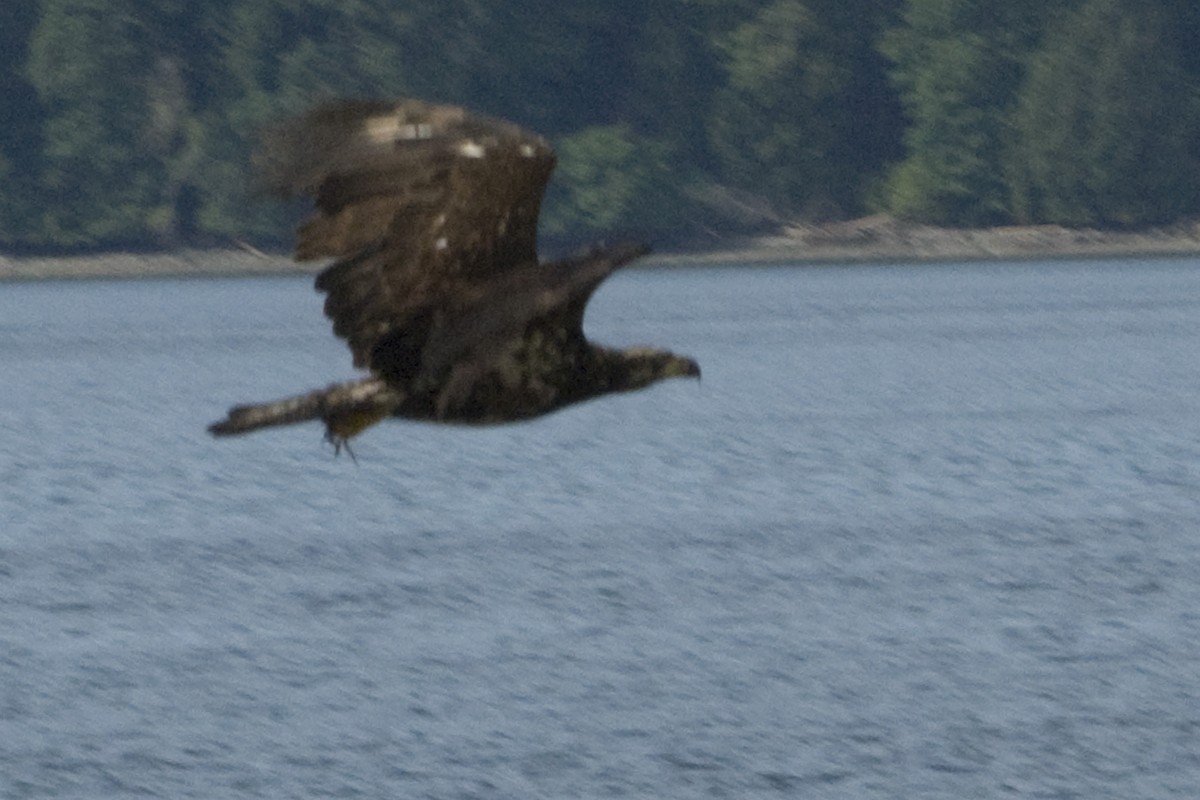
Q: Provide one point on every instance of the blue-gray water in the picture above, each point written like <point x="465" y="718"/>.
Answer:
<point x="927" y="532"/>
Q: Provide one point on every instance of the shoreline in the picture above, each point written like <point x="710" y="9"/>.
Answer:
<point x="868" y="240"/>
<point x="882" y="239"/>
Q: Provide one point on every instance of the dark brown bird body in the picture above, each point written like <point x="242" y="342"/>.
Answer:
<point x="430" y="215"/>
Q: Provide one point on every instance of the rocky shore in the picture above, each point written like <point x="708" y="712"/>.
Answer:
<point x="876" y="239"/>
<point x="884" y="239"/>
<point x="181" y="263"/>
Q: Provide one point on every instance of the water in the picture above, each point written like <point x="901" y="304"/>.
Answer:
<point x="920" y="532"/>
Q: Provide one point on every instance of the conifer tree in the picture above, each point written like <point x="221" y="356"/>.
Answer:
<point x="1107" y="121"/>
<point x="958" y="64"/>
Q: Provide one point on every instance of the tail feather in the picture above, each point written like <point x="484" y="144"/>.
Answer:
<point x="336" y="402"/>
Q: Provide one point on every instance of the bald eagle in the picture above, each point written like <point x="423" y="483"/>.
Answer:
<point x="429" y="214"/>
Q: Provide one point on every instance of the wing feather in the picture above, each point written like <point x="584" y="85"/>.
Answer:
<point x="551" y="296"/>
<point x="419" y="204"/>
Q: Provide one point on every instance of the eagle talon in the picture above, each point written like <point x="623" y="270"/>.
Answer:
<point x="340" y="443"/>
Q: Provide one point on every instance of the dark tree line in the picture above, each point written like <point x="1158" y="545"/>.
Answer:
<point x="130" y="123"/>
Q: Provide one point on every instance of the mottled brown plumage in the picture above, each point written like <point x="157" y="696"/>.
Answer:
<point x="430" y="216"/>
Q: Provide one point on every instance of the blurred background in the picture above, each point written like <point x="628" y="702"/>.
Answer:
<point x="130" y="124"/>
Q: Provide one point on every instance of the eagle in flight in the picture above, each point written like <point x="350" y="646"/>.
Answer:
<point x="429" y="214"/>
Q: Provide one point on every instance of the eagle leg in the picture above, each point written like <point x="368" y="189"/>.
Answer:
<point x="340" y="443"/>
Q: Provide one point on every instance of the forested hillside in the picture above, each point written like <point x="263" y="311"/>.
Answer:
<point x="129" y="123"/>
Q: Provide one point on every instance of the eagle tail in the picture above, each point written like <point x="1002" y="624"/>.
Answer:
<point x="345" y="408"/>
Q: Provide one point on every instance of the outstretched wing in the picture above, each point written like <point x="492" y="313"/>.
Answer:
<point x="426" y="209"/>
<point x="550" y="297"/>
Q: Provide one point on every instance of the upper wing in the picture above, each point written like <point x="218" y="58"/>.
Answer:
<point x="418" y="203"/>
<point x="552" y="296"/>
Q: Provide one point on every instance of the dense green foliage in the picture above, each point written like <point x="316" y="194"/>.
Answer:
<point x="1106" y="126"/>
<point x="958" y="66"/>
<point x="130" y="124"/>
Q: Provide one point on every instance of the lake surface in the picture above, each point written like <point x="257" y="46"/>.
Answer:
<point x="921" y="531"/>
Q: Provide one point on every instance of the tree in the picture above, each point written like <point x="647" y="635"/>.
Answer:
<point x="20" y="126"/>
<point x="1105" y="127"/>
<point x="277" y="58"/>
<point x="958" y="64"/>
<point x="122" y="86"/>
<point x="800" y="114"/>
<point x="608" y="179"/>
<point x="99" y="182"/>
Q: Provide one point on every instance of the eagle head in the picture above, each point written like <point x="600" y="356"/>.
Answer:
<point x="637" y="367"/>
